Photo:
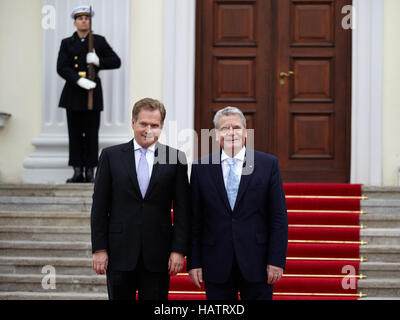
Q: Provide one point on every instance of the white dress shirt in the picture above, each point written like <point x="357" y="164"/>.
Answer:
<point x="149" y="155"/>
<point x="238" y="167"/>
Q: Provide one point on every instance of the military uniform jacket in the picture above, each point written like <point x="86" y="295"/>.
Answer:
<point x="72" y="61"/>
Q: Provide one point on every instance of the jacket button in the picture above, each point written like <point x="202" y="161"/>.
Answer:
<point x="76" y="58"/>
<point x="76" y="66"/>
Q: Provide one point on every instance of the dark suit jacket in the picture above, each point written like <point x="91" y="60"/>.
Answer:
<point x="123" y="223"/>
<point x="72" y="59"/>
<point x="256" y="231"/>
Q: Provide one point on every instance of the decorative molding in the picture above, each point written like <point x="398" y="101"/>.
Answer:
<point x="367" y="73"/>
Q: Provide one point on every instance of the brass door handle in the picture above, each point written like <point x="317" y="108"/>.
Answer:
<point x="284" y="75"/>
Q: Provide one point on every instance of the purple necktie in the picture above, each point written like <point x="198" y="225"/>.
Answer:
<point x="143" y="172"/>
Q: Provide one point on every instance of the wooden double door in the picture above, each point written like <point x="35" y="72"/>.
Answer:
<point x="287" y="65"/>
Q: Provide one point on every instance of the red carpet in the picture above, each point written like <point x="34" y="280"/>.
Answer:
<point x="324" y="246"/>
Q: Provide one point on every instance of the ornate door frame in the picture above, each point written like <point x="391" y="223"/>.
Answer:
<point x="367" y="93"/>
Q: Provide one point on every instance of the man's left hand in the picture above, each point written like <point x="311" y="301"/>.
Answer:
<point x="175" y="263"/>
<point x="92" y="57"/>
<point x="274" y="274"/>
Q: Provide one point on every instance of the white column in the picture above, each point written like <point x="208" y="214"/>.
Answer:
<point x="179" y="74"/>
<point x="49" y="163"/>
<point x="367" y="94"/>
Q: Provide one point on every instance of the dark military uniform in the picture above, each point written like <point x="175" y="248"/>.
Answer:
<point x="83" y="124"/>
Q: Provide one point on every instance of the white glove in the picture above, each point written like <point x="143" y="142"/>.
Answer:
<point x="86" y="84"/>
<point x="92" y="57"/>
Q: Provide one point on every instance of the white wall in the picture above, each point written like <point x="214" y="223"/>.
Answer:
<point x="20" y="82"/>
<point x="391" y="90"/>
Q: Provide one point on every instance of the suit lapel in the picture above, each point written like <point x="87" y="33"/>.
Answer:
<point x="128" y="158"/>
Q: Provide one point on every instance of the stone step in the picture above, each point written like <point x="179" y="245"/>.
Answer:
<point x="86" y="189"/>
<point x="62" y="249"/>
<point x="20" y="295"/>
<point x="70" y="218"/>
<point x="56" y="218"/>
<point x="63" y="283"/>
<point x="44" y="233"/>
<point x="373" y="236"/>
<point x="381" y="192"/>
<point x="371" y="192"/>
<point x="66" y="204"/>
<point x="381" y="205"/>
<point x="46" y="190"/>
<point x="381" y="220"/>
<point x="6" y="189"/>
<point x="34" y="265"/>
<point x="45" y="248"/>
<point x="380" y="287"/>
<point x="381" y="253"/>
<point x="381" y="236"/>
<point x="385" y="270"/>
<point x="380" y="298"/>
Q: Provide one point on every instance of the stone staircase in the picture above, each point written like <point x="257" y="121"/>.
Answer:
<point x="383" y="249"/>
<point x="48" y="225"/>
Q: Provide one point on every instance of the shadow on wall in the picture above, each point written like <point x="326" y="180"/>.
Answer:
<point x="3" y="118"/>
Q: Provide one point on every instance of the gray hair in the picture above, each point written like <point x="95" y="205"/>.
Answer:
<point x="228" y="111"/>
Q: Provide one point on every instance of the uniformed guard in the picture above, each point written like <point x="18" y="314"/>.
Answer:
<point x="83" y="121"/>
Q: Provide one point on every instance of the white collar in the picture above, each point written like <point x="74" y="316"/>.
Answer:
<point x="137" y="146"/>
<point x="239" y="156"/>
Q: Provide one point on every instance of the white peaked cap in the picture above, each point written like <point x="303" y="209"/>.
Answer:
<point x="81" y="11"/>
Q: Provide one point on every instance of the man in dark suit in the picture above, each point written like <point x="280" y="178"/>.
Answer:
<point x="240" y="226"/>
<point x="72" y="65"/>
<point x="133" y="237"/>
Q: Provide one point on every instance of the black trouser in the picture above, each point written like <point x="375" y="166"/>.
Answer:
<point x="83" y="132"/>
<point x="122" y="285"/>
<point x="236" y="282"/>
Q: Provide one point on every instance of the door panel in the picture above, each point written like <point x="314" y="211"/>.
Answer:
<point x="234" y="62"/>
<point x="312" y="124"/>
